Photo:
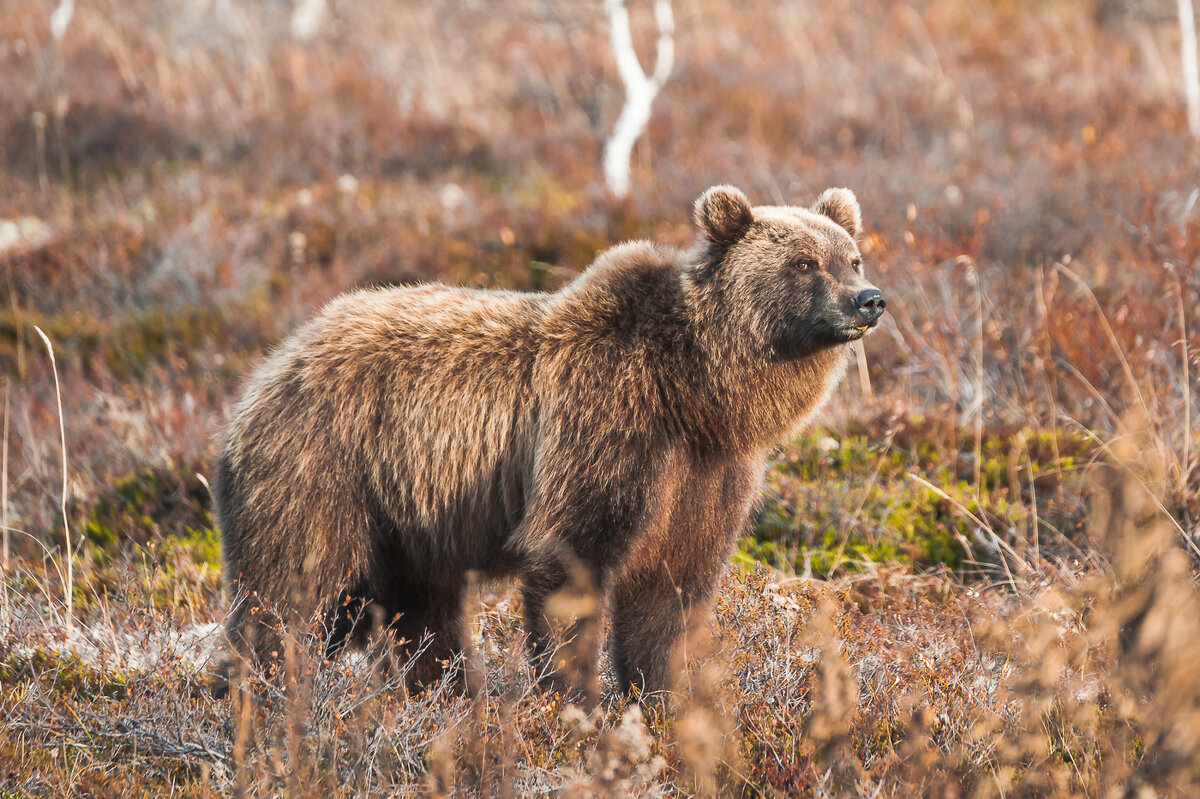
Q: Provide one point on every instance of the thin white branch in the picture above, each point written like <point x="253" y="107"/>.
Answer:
<point x="1191" y="71"/>
<point x="665" y="58"/>
<point x="640" y="90"/>
<point x="622" y="44"/>
<point x="61" y="18"/>
<point x="307" y="18"/>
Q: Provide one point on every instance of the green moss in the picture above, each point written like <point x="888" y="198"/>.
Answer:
<point x="202" y="545"/>
<point x="833" y="503"/>
<point x="150" y="504"/>
<point x="157" y="521"/>
<point x="128" y="346"/>
<point x="63" y="674"/>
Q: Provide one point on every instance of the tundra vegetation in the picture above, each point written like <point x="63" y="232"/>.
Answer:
<point x="976" y="576"/>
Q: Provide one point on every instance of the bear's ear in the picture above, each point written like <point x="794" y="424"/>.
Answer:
<point x="841" y="206"/>
<point x="723" y="214"/>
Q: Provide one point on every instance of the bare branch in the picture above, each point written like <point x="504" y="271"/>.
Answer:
<point x="307" y="19"/>
<point x="60" y="20"/>
<point x="640" y="90"/>
<point x="1191" y="71"/>
<point x="665" y="58"/>
<point x="622" y="44"/>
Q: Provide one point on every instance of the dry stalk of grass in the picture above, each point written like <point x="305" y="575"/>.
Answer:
<point x="834" y="704"/>
<point x="68" y="556"/>
<point x="4" y="531"/>
<point x="4" y="480"/>
<point x="1101" y="697"/>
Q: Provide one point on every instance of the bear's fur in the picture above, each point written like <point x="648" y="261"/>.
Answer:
<point x="408" y="436"/>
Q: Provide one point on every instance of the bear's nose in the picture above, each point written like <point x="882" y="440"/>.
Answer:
<point x="870" y="303"/>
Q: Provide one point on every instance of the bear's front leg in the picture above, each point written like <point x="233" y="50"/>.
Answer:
<point x="648" y="621"/>
<point x="672" y="574"/>
<point x="582" y="522"/>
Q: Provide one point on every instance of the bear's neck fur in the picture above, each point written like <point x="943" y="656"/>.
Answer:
<point x="719" y="389"/>
<point x="756" y="398"/>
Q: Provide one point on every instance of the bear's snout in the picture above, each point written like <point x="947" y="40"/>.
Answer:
<point x="870" y="303"/>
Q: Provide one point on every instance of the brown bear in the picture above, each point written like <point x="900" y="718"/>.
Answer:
<point x="407" y="437"/>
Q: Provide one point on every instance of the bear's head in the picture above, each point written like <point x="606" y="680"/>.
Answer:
<point x="790" y="278"/>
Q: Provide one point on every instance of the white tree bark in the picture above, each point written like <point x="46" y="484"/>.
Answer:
<point x="640" y="89"/>
<point x="1191" y="71"/>
<point x="307" y="18"/>
<point x="61" y="18"/>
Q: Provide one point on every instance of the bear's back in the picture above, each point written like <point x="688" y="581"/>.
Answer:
<point x="422" y="394"/>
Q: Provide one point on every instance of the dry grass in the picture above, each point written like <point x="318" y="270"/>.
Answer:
<point x="888" y="684"/>
<point x="981" y="581"/>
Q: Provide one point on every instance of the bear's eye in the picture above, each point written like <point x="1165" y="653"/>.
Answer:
<point x="806" y="263"/>
<point x="856" y="263"/>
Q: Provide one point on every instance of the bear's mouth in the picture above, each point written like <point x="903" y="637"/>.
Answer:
<point x="856" y="330"/>
<point x="861" y="328"/>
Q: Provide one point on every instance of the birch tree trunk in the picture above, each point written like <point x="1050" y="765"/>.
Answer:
<point x="1191" y="72"/>
<point x="640" y="89"/>
<point x="61" y="18"/>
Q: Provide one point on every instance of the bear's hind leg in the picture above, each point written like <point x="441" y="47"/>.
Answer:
<point x="348" y="623"/>
<point x="424" y="622"/>
<point x="562" y="602"/>
<point x="287" y="560"/>
<point x="255" y="646"/>
<point x="538" y="584"/>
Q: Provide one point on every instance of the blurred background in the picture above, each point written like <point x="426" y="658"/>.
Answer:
<point x="182" y="182"/>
